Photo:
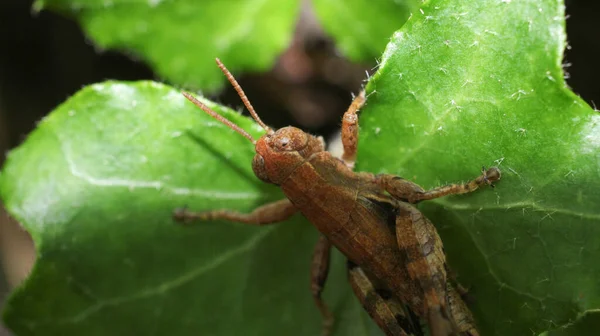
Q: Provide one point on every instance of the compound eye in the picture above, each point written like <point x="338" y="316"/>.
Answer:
<point x="284" y="143"/>
<point x="258" y="166"/>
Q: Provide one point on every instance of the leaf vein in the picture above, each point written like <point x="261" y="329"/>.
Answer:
<point x="157" y="185"/>
<point x="508" y="206"/>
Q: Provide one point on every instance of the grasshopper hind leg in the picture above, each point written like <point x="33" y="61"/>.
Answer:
<point x="389" y="314"/>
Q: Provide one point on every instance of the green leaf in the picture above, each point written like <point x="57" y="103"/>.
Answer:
<point x="362" y="28"/>
<point x="471" y="83"/>
<point x="96" y="184"/>
<point x="181" y="39"/>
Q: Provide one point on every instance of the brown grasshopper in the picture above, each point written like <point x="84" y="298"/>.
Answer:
<point x="397" y="266"/>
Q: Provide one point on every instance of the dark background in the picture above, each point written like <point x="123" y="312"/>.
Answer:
<point x="45" y="58"/>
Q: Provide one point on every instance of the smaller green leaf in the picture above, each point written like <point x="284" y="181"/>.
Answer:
<point x="362" y="28"/>
<point x="181" y="39"/>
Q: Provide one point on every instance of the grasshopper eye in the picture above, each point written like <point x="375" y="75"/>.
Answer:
<point x="258" y="166"/>
<point x="284" y="142"/>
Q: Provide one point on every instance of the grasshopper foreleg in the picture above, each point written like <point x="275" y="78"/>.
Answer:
<point x="413" y="193"/>
<point x="269" y="213"/>
<point x="350" y="129"/>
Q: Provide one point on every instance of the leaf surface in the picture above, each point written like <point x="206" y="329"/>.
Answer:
<point x="587" y="323"/>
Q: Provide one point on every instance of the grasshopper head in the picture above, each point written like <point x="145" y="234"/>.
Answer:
<point x="279" y="152"/>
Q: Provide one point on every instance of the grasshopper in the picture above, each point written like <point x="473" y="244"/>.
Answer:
<point x="397" y="266"/>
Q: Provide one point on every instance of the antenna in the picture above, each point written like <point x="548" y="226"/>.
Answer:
<point x="218" y="116"/>
<point x="242" y="95"/>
